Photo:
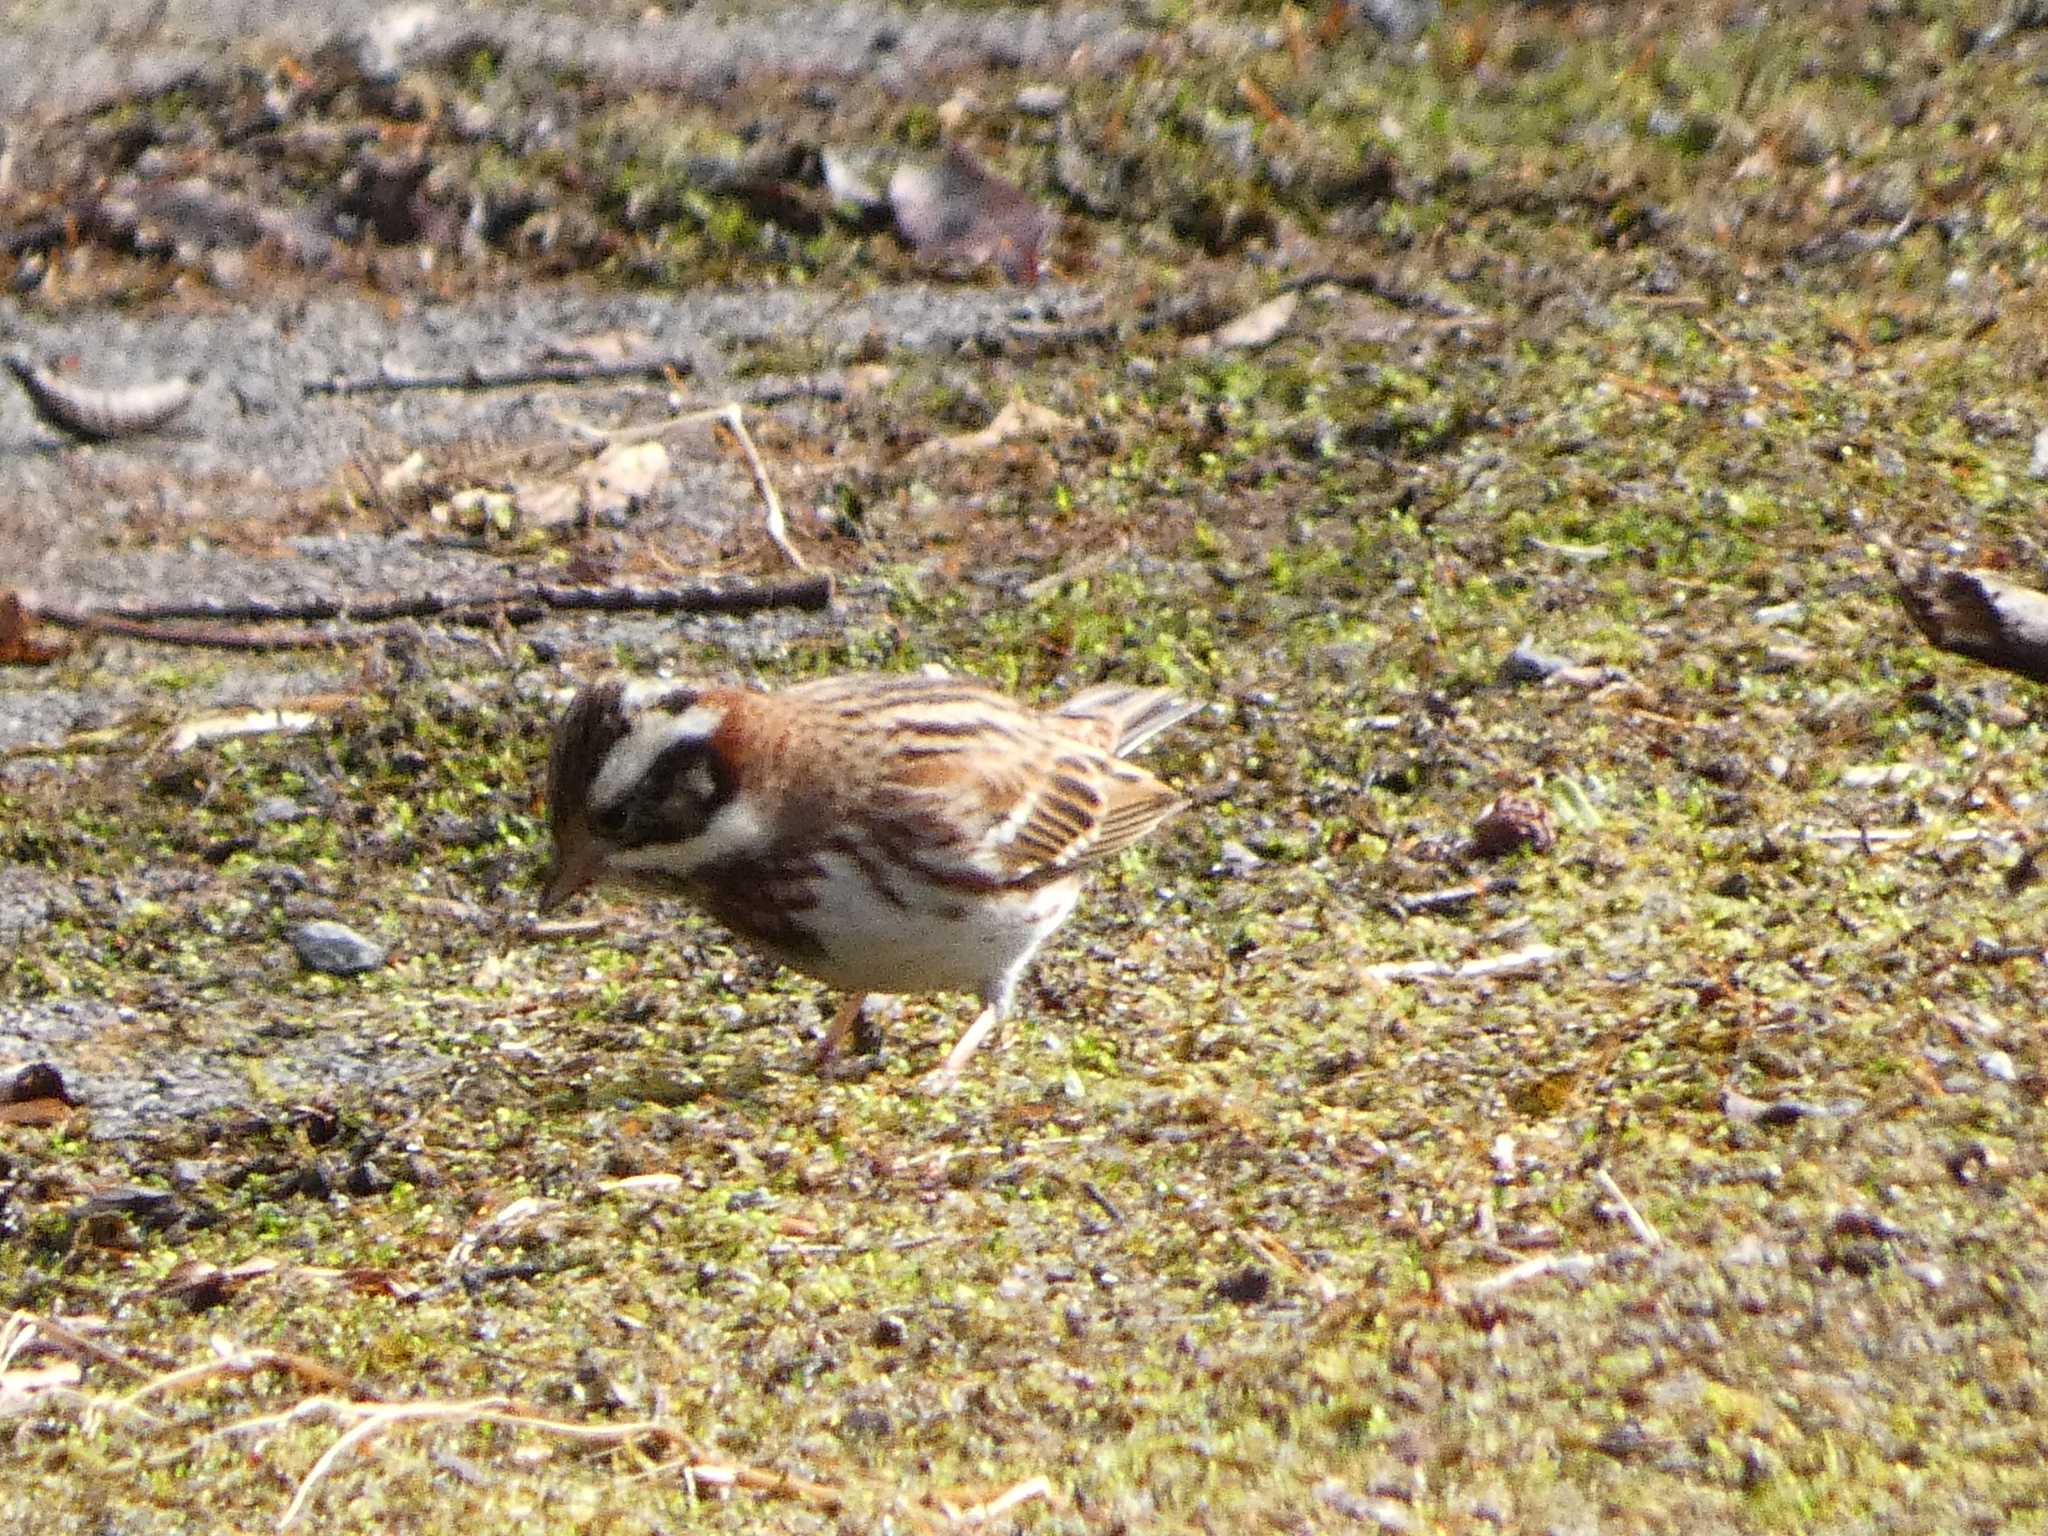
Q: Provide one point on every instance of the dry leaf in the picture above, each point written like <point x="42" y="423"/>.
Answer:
<point x="1256" y="327"/>
<point x="865" y="378"/>
<point x="16" y="648"/>
<point x="36" y="1112"/>
<point x="961" y="213"/>
<point x="613" y="346"/>
<point x="1019" y="419"/>
<point x="848" y="187"/>
<point x="404" y="477"/>
<point x="609" y="484"/>
<point x="33" y="1080"/>
<point x="201" y="1285"/>
<point x="372" y="1280"/>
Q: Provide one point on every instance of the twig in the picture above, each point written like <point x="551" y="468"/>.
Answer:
<point x="375" y="1421"/>
<point x="1103" y="1203"/>
<point x="1575" y="1266"/>
<point x="245" y="1362"/>
<point x="374" y="1418"/>
<point x="475" y="377"/>
<point x="24" y="1329"/>
<point x="1390" y="293"/>
<point x="541" y="929"/>
<point x="1452" y="898"/>
<point x="1002" y="1503"/>
<point x="729" y="415"/>
<point x="1645" y="1233"/>
<point x="168" y="624"/>
<point x="1519" y="962"/>
<point x="762" y="392"/>
<point x="778" y="530"/>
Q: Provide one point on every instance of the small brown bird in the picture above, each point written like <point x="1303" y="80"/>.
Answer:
<point x="880" y="833"/>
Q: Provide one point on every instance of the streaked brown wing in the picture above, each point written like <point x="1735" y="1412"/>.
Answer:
<point x="970" y="784"/>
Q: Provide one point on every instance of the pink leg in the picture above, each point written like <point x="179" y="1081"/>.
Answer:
<point x="844" y="1022"/>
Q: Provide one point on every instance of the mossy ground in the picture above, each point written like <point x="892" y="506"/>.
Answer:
<point x="1715" y="305"/>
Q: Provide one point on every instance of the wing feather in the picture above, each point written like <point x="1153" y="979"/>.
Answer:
<point x="969" y="784"/>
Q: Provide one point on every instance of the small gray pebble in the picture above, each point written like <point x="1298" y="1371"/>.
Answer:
<point x="277" y="808"/>
<point x="1236" y="859"/>
<point x="335" y="948"/>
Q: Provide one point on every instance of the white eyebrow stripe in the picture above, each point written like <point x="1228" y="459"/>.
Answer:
<point x="653" y="734"/>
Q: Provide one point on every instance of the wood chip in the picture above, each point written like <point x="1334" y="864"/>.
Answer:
<point x="1020" y="419"/>
<point x="1256" y="327"/>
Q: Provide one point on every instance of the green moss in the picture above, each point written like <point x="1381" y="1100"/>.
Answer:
<point x="1612" y="387"/>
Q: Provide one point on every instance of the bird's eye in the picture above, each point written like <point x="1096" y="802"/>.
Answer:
<point x="610" y="821"/>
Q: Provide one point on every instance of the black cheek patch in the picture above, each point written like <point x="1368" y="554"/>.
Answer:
<point x="669" y="804"/>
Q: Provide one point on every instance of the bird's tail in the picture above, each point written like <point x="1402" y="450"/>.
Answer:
<point x="1135" y="715"/>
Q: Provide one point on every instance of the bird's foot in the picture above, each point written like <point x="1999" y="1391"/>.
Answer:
<point x="943" y="1078"/>
<point x="850" y="1023"/>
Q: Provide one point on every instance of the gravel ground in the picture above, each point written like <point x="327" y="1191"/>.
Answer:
<point x="254" y="432"/>
<point x="62" y="56"/>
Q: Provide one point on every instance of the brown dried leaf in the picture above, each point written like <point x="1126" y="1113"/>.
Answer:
<point x="36" y="1112"/>
<point x="33" y="1080"/>
<point x="378" y="1281"/>
<point x="613" y="346"/>
<point x="1256" y="327"/>
<point x="610" y="483"/>
<point x="16" y="648"/>
<point x="961" y="213"/>
<point x="1019" y="419"/>
<point x="1513" y="822"/>
<point x="201" y="1285"/>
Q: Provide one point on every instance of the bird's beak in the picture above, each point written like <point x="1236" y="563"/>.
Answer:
<point x="577" y="867"/>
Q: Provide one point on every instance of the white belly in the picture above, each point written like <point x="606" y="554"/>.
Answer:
<point x="939" y="941"/>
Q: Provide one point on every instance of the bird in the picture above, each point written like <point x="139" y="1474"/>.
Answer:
<point x="881" y="833"/>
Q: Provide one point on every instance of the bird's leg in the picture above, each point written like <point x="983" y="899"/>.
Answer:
<point x="845" y="1022"/>
<point x="995" y="1006"/>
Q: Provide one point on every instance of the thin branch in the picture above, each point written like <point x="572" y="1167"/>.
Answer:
<point x="374" y="1418"/>
<point x="1645" y="1233"/>
<point x="1451" y="898"/>
<point x="778" y="529"/>
<point x="1002" y="1503"/>
<point x="1521" y="962"/>
<point x="372" y="1423"/>
<point x="729" y="416"/>
<point x="26" y="1329"/>
<point x="244" y="1362"/>
<point x="475" y="377"/>
<point x="1575" y="1266"/>
<point x="204" y="624"/>
<point x="1371" y="283"/>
